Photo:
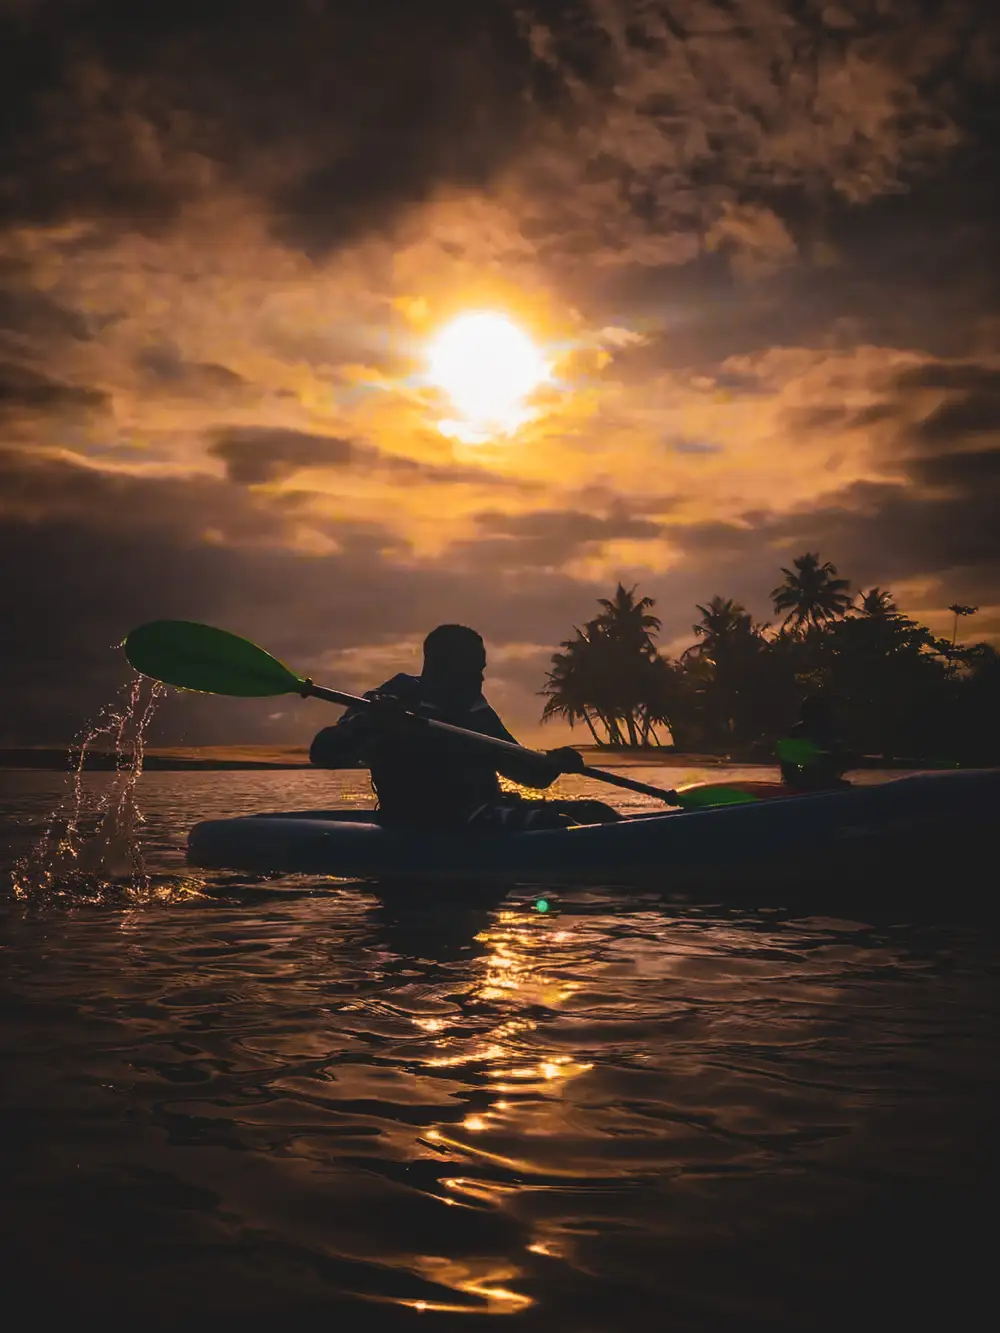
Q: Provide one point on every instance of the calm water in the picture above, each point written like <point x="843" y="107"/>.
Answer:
<point x="297" y="1100"/>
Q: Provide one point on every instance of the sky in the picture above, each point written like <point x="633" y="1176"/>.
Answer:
<point x="753" y="240"/>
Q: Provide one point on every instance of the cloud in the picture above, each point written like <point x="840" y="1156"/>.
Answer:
<point x="29" y="317"/>
<point x="256" y="454"/>
<point x="974" y="414"/>
<point x="22" y="387"/>
<point x="98" y="553"/>
<point x="965" y="471"/>
<point x="760" y="241"/>
<point x="553" y="538"/>
<point x="164" y="364"/>
<point x="959" y="377"/>
<point x="623" y="129"/>
<point x="755" y="241"/>
<point x="687" y="113"/>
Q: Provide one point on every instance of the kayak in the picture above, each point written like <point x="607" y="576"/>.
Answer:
<point x="916" y="821"/>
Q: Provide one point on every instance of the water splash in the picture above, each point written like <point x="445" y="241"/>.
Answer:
<point x="91" y="849"/>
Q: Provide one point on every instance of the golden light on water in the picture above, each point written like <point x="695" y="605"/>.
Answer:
<point x="488" y="367"/>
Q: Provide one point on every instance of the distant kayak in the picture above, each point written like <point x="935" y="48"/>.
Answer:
<point x="780" y="834"/>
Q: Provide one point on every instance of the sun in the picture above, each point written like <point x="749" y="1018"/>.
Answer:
<point x="487" y="366"/>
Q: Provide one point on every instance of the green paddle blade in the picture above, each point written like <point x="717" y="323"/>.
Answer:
<point x="795" y="751"/>
<point x="198" y="657"/>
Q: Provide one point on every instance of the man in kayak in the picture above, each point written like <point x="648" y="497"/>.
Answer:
<point x="432" y="781"/>
<point x="813" y="758"/>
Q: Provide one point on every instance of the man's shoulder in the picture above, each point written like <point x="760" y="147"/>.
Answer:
<point x="400" y="686"/>
<point x="485" y="718"/>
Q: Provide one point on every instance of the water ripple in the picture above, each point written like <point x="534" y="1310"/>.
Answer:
<point x="304" y="1098"/>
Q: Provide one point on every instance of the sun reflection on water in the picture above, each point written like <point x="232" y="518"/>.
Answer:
<point x="522" y="965"/>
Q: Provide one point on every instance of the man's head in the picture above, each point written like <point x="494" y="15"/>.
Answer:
<point x="454" y="664"/>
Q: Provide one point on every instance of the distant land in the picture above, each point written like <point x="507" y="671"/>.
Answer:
<point x="176" y="758"/>
<point x="249" y="757"/>
<point x="221" y="757"/>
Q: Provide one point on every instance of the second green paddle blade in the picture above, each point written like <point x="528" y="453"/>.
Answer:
<point x="198" y="657"/>
<point x="796" y="750"/>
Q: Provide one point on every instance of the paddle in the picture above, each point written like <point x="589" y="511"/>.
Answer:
<point x="197" y="657"/>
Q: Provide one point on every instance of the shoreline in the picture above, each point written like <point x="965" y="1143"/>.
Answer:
<point x="251" y="758"/>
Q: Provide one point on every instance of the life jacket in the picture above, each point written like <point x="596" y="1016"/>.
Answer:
<point x="427" y="778"/>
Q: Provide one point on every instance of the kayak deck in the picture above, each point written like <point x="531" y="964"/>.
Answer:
<point x="781" y="833"/>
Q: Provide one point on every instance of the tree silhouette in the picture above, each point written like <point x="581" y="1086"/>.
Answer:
<point x="957" y="609"/>
<point x="899" y="691"/>
<point x="724" y="623"/>
<point x="729" y="656"/>
<point x="629" y="622"/>
<point x="876" y="602"/>
<point x="610" y="673"/>
<point x="811" y="593"/>
<point x="570" y="693"/>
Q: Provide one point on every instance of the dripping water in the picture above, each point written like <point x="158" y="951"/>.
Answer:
<point x="90" y="848"/>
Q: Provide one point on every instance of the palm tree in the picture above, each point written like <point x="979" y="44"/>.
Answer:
<point x="659" y="698"/>
<point x="729" y="659"/>
<point x="724" y="623"/>
<point x="570" y="687"/>
<point x="628" y="621"/>
<point x="811" y="592"/>
<point x="877" y="603"/>
<point x="609" y="672"/>
<point x="622" y="637"/>
<point x="957" y="609"/>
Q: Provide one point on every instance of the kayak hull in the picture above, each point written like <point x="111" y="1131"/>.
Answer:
<point x="892" y="825"/>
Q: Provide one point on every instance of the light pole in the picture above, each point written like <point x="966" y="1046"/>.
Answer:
<point x="959" y="610"/>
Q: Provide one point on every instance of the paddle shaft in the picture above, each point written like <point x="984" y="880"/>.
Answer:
<point x="192" y="656"/>
<point x="630" y="784"/>
<point x="492" y="743"/>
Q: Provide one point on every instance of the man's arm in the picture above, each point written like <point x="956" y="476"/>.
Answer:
<point x="343" y="744"/>
<point x="348" y="743"/>
<point x="529" y="770"/>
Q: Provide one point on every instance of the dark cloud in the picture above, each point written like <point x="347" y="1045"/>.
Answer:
<point x="31" y="315"/>
<point x="98" y="553"/>
<point x="919" y="440"/>
<point x="164" y="363"/>
<point x="973" y="470"/>
<point x="668" y="120"/>
<point x="965" y="377"/>
<point x="873" y="416"/>
<point x="253" y="455"/>
<point x="549" y="538"/>
<point x="824" y="416"/>
<point x="904" y="534"/>
<point x="975" y="414"/>
<point x="571" y="526"/>
<point x="873" y="532"/>
<point x="22" y="387"/>
<point x="257" y="454"/>
<point x="45" y="487"/>
<point x="339" y="113"/>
